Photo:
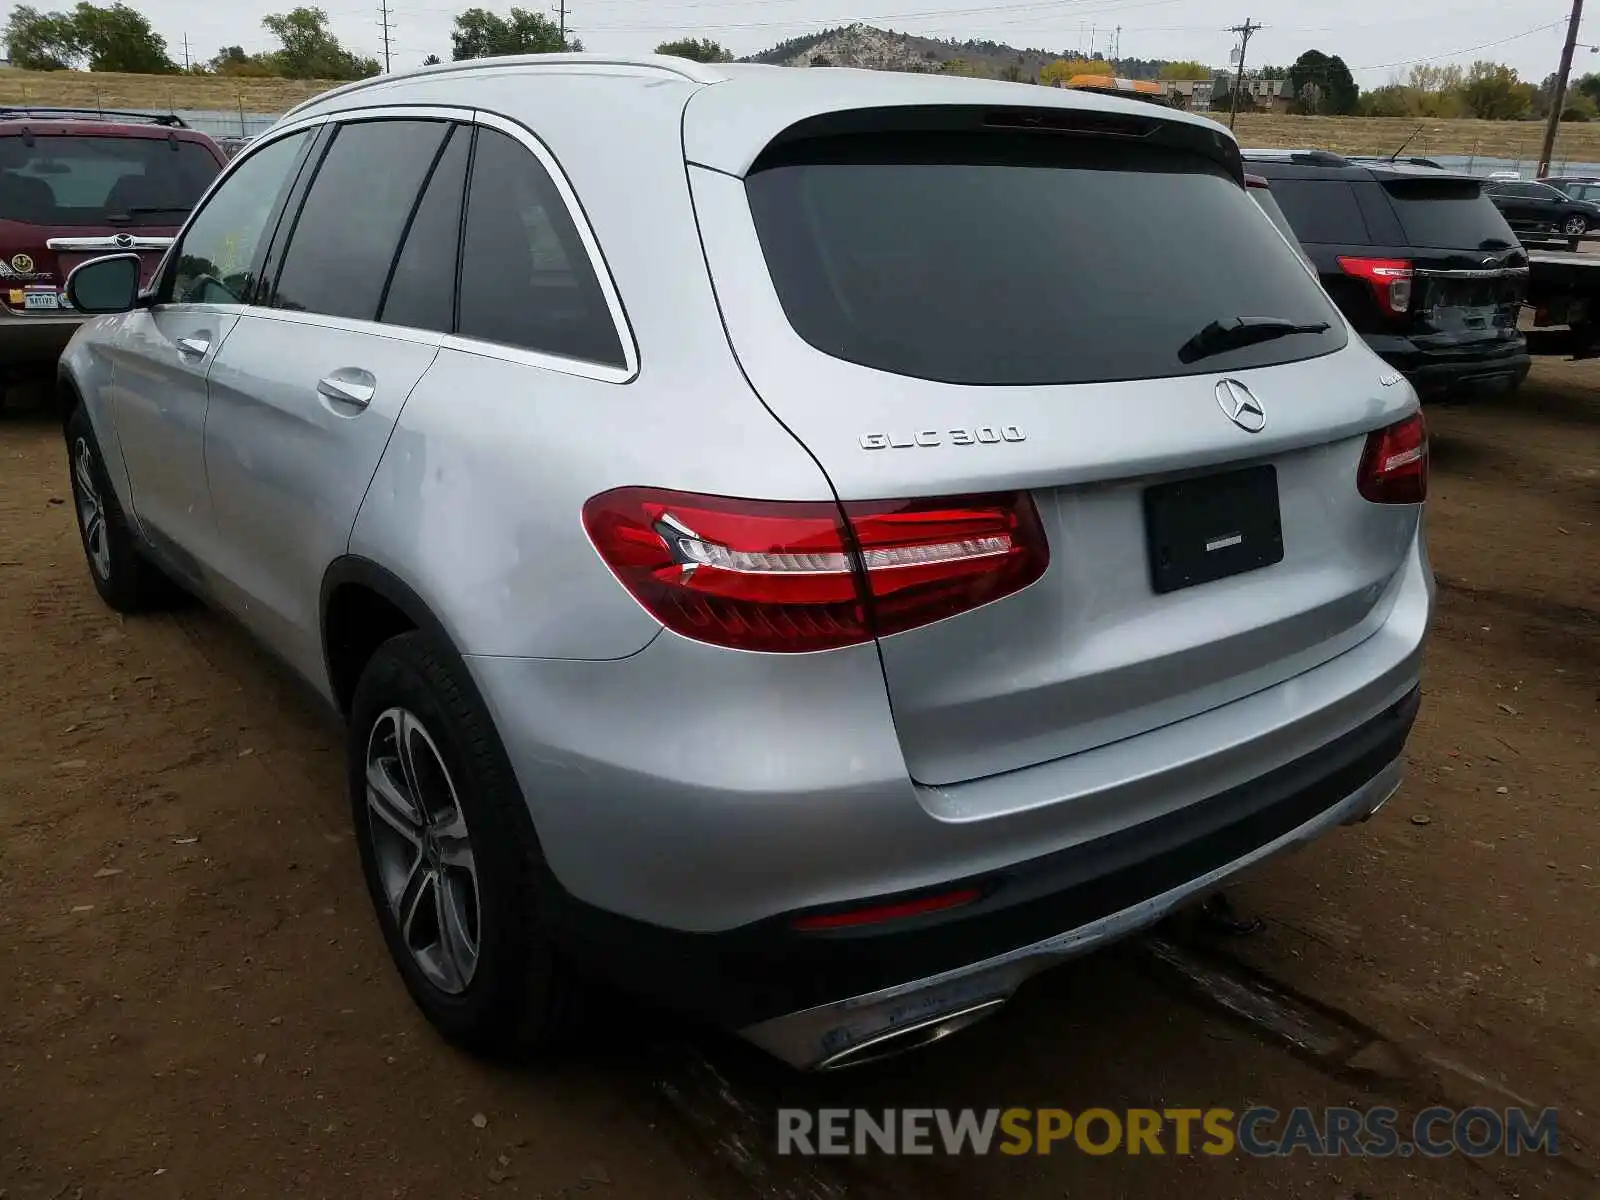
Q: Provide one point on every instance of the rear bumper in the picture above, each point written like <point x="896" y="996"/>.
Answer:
<point x="841" y="997"/>
<point x="1438" y="372"/>
<point x="37" y="340"/>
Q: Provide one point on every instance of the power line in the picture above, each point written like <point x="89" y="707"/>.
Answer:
<point x="1406" y="62"/>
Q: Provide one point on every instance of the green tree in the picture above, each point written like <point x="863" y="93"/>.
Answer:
<point x="118" y="38"/>
<point x="42" y="41"/>
<point x="1185" y="70"/>
<point x="480" y="33"/>
<point x="310" y="51"/>
<point x="1322" y="84"/>
<point x="697" y="50"/>
<point x="234" y="63"/>
<point x="1494" y="93"/>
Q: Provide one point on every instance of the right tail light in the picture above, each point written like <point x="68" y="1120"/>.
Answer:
<point x="812" y="575"/>
<point x="1394" y="465"/>
<point x="1390" y="279"/>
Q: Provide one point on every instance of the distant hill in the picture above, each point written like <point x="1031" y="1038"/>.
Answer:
<point x="885" y="50"/>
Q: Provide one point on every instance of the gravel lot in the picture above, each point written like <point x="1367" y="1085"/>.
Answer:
<point x="196" y="1001"/>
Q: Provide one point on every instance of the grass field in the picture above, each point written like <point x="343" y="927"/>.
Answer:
<point x="1351" y="135"/>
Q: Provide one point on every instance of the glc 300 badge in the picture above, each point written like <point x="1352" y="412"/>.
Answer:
<point x="982" y="435"/>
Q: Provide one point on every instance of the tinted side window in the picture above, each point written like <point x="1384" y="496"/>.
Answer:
<point x="422" y="293"/>
<point x="349" y="228"/>
<point x="213" y="266"/>
<point x="1322" y="210"/>
<point x="526" y="279"/>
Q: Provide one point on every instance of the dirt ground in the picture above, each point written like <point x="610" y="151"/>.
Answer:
<point x="195" y="1001"/>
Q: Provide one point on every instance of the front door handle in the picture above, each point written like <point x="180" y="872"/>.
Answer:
<point x="197" y="347"/>
<point x="349" y="386"/>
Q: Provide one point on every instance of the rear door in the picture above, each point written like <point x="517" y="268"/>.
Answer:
<point x="977" y="313"/>
<point x="67" y="196"/>
<point x="306" y="391"/>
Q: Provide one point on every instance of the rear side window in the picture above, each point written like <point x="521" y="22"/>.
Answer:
<point x="1448" y="214"/>
<point x="423" y="290"/>
<point x="122" y="181"/>
<point x="1325" y="211"/>
<point x="526" y="279"/>
<point x="999" y="259"/>
<point x="349" y="228"/>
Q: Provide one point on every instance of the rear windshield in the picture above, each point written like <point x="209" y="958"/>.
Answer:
<point x="131" y="181"/>
<point x="1448" y="214"/>
<point x="993" y="259"/>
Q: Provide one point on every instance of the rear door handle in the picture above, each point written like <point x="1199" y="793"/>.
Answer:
<point x="349" y="385"/>
<point x="195" y="347"/>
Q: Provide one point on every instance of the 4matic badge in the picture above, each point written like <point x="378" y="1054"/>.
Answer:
<point x="982" y="435"/>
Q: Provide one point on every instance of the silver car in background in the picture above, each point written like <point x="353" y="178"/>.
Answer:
<point x="812" y="548"/>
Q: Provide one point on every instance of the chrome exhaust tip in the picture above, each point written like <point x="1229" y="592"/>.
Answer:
<point x="910" y="1037"/>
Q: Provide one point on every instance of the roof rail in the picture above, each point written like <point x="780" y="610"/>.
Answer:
<point x="167" y="120"/>
<point x="684" y="68"/>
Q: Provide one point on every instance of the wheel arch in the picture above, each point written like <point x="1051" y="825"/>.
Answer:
<point x="362" y="605"/>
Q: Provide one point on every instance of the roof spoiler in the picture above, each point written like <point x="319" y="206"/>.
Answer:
<point x="166" y="120"/>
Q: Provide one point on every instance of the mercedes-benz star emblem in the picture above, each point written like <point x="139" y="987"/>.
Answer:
<point x="1240" y="407"/>
<point x="124" y="240"/>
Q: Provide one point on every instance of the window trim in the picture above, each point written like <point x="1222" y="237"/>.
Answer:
<point x="471" y="118"/>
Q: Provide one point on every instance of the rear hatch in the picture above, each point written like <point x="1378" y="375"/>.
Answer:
<point x="1471" y="275"/>
<point x="68" y="195"/>
<point x="949" y="313"/>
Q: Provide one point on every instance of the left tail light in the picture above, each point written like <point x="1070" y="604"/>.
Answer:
<point x="812" y="575"/>
<point x="1390" y="279"/>
<point x="1394" y="464"/>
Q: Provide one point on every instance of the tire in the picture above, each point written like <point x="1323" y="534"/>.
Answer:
<point x="1576" y="225"/>
<point x="493" y="985"/>
<point x="127" y="581"/>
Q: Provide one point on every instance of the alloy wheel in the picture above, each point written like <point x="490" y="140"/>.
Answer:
<point x="1576" y="225"/>
<point x="423" y="850"/>
<point x="91" y="511"/>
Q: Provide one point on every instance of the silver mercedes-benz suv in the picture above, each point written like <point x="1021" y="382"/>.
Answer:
<point x="809" y="547"/>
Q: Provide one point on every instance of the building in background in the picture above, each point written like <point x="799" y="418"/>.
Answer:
<point x="1192" y="94"/>
<point x="1268" y="95"/>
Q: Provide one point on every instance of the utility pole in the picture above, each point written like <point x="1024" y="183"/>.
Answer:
<point x="563" y="13"/>
<point x="1244" y="31"/>
<point x="1559" y="96"/>
<point x="186" y="54"/>
<point x="387" y="27"/>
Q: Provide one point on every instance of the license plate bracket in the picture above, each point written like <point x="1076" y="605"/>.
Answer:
<point x="1210" y="527"/>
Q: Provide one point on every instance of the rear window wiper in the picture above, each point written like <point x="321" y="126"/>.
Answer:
<point x="1238" y="332"/>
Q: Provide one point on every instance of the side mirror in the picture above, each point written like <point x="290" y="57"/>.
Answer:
<point x="105" y="285"/>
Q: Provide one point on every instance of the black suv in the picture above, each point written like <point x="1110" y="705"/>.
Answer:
<point x="1420" y="261"/>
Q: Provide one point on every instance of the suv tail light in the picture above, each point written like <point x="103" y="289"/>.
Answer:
<point x="1394" y="465"/>
<point x="812" y="575"/>
<point x="1390" y="279"/>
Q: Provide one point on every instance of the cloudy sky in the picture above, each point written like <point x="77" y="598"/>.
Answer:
<point x="1378" y="38"/>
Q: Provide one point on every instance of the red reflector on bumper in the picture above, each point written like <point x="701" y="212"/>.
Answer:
<point x="886" y="912"/>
